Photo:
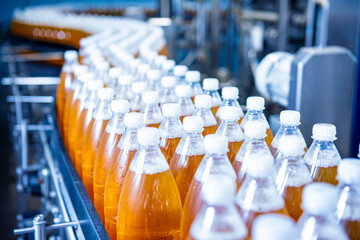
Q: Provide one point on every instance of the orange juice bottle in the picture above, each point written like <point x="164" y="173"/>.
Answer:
<point x="211" y="87"/>
<point x="203" y="110"/>
<point x="102" y="72"/>
<point x="230" y="128"/>
<point x="255" y="107"/>
<point x="193" y="80"/>
<point x="214" y="163"/>
<point x="108" y="142"/>
<point x="322" y="158"/>
<point x="188" y="154"/>
<point x="141" y="71"/>
<point x="151" y="110"/>
<point x="187" y="108"/>
<point x="101" y="116"/>
<point x="229" y="96"/>
<point x="273" y="226"/>
<point x="179" y="73"/>
<point x="123" y="89"/>
<point x="167" y="67"/>
<point x="153" y="77"/>
<point x="167" y="94"/>
<point x="258" y="195"/>
<point x="127" y="148"/>
<point x="149" y="205"/>
<point x="136" y="103"/>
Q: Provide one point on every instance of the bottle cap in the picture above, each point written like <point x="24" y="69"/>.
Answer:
<point x="134" y="120"/>
<point x="273" y="227"/>
<point x="260" y="165"/>
<point x="229" y="113"/>
<point x="215" y="143"/>
<point x="150" y="97"/>
<point x="255" y="103"/>
<point x="193" y="124"/>
<point x="95" y="85"/>
<point x="219" y="190"/>
<point x="86" y="77"/>
<point x="168" y="82"/>
<point x="159" y="60"/>
<point x="203" y="101"/>
<point x="125" y="79"/>
<point x="168" y="65"/>
<point x="230" y="93"/>
<point x="153" y="75"/>
<point x="319" y="198"/>
<point x="292" y="145"/>
<point x="134" y="63"/>
<point x="115" y="72"/>
<point x="183" y="91"/>
<point x="120" y="106"/>
<point x="324" y="132"/>
<point x="105" y="93"/>
<point x="192" y="76"/>
<point x="171" y="110"/>
<point x="150" y="56"/>
<point x="103" y="66"/>
<point x="290" y="117"/>
<point x="211" y="84"/>
<point x="70" y="55"/>
<point x="255" y="129"/>
<point x="349" y="171"/>
<point x="148" y="136"/>
<point x="143" y="68"/>
<point x="180" y="70"/>
<point x="79" y="69"/>
<point x="138" y="87"/>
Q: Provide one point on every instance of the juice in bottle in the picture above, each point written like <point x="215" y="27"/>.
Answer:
<point x="149" y="205"/>
<point x="136" y="103"/>
<point x="211" y="87"/>
<point x="203" y="110"/>
<point x="167" y="68"/>
<point x="167" y="94"/>
<point x="193" y="80"/>
<point x="123" y="89"/>
<point x="187" y="108"/>
<point x="273" y="226"/>
<point x="153" y="78"/>
<point x="179" y="73"/>
<point x="229" y="96"/>
<point x="151" y="109"/>
<point x="102" y="72"/>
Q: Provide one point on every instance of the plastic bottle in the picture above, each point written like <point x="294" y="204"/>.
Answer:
<point x="100" y="118"/>
<point x="114" y="74"/>
<point x="214" y="163"/>
<point x="273" y="226"/>
<point x="187" y="108"/>
<point x="153" y="77"/>
<point x="151" y="110"/>
<point x="171" y="130"/>
<point x="167" y="94"/>
<point x="258" y="195"/>
<point x="290" y="121"/>
<point x="211" y="87"/>
<point x="123" y="90"/>
<point x="348" y="206"/>
<point x="318" y="221"/>
<point x="126" y="148"/>
<point x="188" y="154"/>
<point x="218" y="218"/>
<point x="141" y="72"/>
<point x="167" y="68"/>
<point x="150" y="205"/>
<point x="136" y="103"/>
<point x="203" y="110"/>
<point x="108" y="142"/>
<point x="158" y="61"/>
<point x="322" y="158"/>
<point x="229" y="96"/>
<point x="193" y="80"/>
<point x="179" y="73"/>
<point x="291" y="173"/>
<point x="102" y="72"/>
<point x="255" y="107"/>
<point x="133" y="65"/>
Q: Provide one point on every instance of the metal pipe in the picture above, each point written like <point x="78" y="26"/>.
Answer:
<point x="31" y="81"/>
<point x="24" y="152"/>
<point x="39" y="227"/>
<point x="30" y="99"/>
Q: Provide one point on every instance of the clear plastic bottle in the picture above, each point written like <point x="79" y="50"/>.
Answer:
<point x="126" y="150"/>
<point x="230" y="128"/>
<point x="289" y="125"/>
<point x="167" y="68"/>
<point x="229" y="96"/>
<point x="322" y="158"/>
<point x="348" y="206"/>
<point x="158" y="61"/>
<point x="136" y="103"/>
<point x="258" y="195"/>
<point x="255" y="107"/>
<point x="318" y="221"/>
<point x="291" y="173"/>
<point x="123" y="89"/>
<point x="179" y="73"/>
<point x="187" y="108"/>
<point x="153" y="77"/>
<point x="142" y="69"/>
<point x="218" y="218"/>
<point x="171" y="130"/>
<point x="107" y="145"/>
<point x="211" y="87"/>
<point x="151" y="110"/>
<point x="203" y="110"/>
<point x="133" y="65"/>
<point x="150" y="205"/>
<point x="215" y="163"/>
<point x="188" y="154"/>
<point x="114" y="74"/>
<point x="273" y="226"/>
<point x="167" y="94"/>
<point x="102" y="72"/>
<point x="193" y="80"/>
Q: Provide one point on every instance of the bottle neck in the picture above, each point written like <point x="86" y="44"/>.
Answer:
<point x="289" y="127"/>
<point x="195" y="135"/>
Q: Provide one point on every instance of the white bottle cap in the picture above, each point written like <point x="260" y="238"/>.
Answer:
<point x="260" y="165"/>
<point x="153" y="75"/>
<point x="150" y="56"/>
<point x="150" y="97"/>
<point x="192" y="76"/>
<point x="148" y="136"/>
<point x="230" y="93"/>
<point x="168" y="65"/>
<point x="134" y="63"/>
<point x="193" y="124"/>
<point x="79" y="69"/>
<point x="349" y="171"/>
<point x="229" y="113"/>
<point x="159" y="60"/>
<point x="255" y="103"/>
<point x="319" y="198"/>
<point x="273" y="227"/>
<point x="292" y="145"/>
<point x="324" y="132"/>
<point x="168" y="82"/>
<point x="134" y="120"/>
<point x="183" y="91"/>
<point x="115" y="72"/>
<point x="290" y="117"/>
<point x="86" y="76"/>
<point x="180" y="70"/>
<point x="138" y="87"/>
<point x="203" y="101"/>
<point x="143" y="68"/>
<point x="255" y="129"/>
<point x="211" y="84"/>
<point x="125" y="79"/>
<point x="215" y="143"/>
<point x="70" y="55"/>
<point x="105" y="93"/>
<point x="120" y="106"/>
<point x="95" y="85"/>
<point x="171" y="110"/>
<point x="219" y="190"/>
<point x="103" y="65"/>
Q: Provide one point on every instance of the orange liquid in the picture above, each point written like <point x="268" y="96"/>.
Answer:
<point x="292" y="197"/>
<point x="237" y="166"/>
<point x="193" y="99"/>
<point x="209" y="130"/>
<point x="168" y="147"/>
<point x="155" y="125"/>
<point x="214" y="110"/>
<point x="83" y="123"/>
<point x="60" y="100"/>
<point x="321" y="174"/>
<point x="352" y="228"/>
<point x="233" y="150"/>
<point x="67" y="111"/>
<point x="91" y="143"/>
<point x="113" y="186"/>
<point x="183" y="169"/>
<point x="74" y="117"/>
<point x="107" y="145"/>
<point x="269" y="137"/>
<point x="149" y="207"/>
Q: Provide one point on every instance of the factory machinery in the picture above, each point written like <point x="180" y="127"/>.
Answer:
<point x="308" y="52"/>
